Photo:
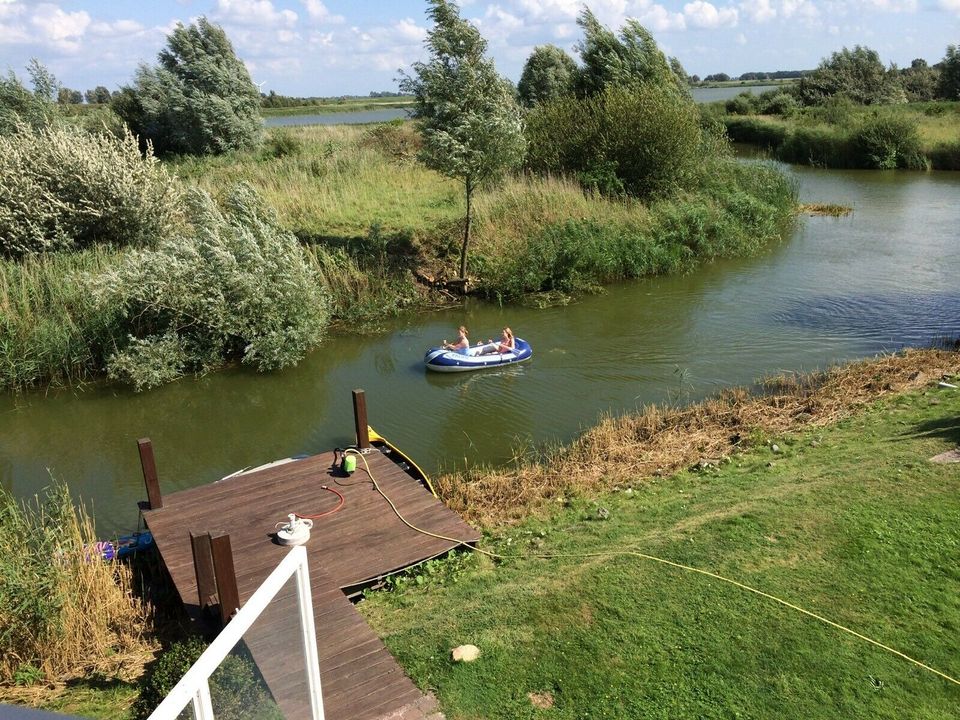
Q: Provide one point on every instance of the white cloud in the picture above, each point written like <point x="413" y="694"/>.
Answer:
<point x="759" y="11"/>
<point x="705" y="15"/>
<point x="318" y="12"/>
<point x="259" y="13"/>
<point x="802" y="9"/>
<point x="116" y="29"/>
<point x="497" y="25"/>
<point x="659" y="19"/>
<point x="951" y="6"/>
<point x="895" y="6"/>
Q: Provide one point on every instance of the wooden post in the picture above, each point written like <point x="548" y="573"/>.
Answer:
<point x="154" y="499"/>
<point x="203" y="569"/>
<point x="360" y="419"/>
<point x="226" y="576"/>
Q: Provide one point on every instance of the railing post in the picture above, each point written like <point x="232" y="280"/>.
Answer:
<point x="150" y="480"/>
<point x="360" y="419"/>
<point x="311" y="657"/>
<point x="226" y="576"/>
<point x="203" y="569"/>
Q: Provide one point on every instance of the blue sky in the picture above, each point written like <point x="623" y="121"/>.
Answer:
<point x="334" y="47"/>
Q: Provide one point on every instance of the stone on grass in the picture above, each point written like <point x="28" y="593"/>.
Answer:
<point x="465" y="653"/>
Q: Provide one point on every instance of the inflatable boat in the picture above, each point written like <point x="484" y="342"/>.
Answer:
<point x="455" y="361"/>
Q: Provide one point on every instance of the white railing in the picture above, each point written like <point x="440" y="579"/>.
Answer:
<point x="194" y="687"/>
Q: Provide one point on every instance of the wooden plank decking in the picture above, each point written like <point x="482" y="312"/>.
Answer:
<point x="364" y="541"/>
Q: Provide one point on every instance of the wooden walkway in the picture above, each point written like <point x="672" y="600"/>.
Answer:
<point x="362" y="542"/>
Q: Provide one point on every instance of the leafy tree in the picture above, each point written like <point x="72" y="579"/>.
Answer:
<point x="857" y="74"/>
<point x="632" y="58"/>
<point x="920" y="81"/>
<point x="467" y="114"/>
<point x="199" y="100"/>
<point x="949" y="86"/>
<point x="21" y="107"/>
<point x="547" y="75"/>
<point x="98" y="96"/>
<point x="66" y="96"/>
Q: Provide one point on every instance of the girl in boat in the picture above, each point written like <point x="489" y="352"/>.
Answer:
<point x="506" y="344"/>
<point x="462" y="345"/>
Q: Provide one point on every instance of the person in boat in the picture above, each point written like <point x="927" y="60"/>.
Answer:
<point x="462" y="345"/>
<point x="506" y="344"/>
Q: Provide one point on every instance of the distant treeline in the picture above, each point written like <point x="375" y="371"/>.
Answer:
<point x="776" y="75"/>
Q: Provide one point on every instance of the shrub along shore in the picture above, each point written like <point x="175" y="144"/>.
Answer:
<point x="916" y="136"/>
<point x="816" y="488"/>
<point x="378" y="234"/>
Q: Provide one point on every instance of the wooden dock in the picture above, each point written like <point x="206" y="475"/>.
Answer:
<point x="357" y="545"/>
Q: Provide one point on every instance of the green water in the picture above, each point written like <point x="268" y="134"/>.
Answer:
<point x="838" y="289"/>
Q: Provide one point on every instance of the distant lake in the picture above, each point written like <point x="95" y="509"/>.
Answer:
<point x="361" y="117"/>
<point x="707" y="94"/>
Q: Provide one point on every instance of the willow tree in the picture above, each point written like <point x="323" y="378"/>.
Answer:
<point x="199" y="99"/>
<point x="467" y="114"/>
<point x="547" y="75"/>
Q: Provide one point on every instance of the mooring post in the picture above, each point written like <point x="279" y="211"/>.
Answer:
<point x="150" y="480"/>
<point x="360" y="419"/>
<point x="203" y="569"/>
<point x="225" y="574"/>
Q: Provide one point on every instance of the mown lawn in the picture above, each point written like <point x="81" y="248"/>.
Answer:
<point x="852" y="523"/>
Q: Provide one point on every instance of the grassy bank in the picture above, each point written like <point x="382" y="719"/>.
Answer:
<point x="336" y="105"/>
<point x="846" y="518"/>
<point x="914" y="136"/>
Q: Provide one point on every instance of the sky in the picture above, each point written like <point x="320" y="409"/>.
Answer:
<point x="344" y="47"/>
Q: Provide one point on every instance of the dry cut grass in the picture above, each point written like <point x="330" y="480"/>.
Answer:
<point x="663" y="440"/>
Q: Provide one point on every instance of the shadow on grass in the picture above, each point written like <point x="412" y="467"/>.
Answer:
<point x="947" y="428"/>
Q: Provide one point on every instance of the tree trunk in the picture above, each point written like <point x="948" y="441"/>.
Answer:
<point x="466" y="235"/>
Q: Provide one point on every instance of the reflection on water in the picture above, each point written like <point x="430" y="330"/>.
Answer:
<point x="841" y="288"/>
<point x="903" y="319"/>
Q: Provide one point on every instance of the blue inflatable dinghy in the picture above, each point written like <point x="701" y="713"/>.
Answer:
<point x="455" y="361"/>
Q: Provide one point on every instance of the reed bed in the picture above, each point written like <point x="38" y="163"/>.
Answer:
<point x="51" y="329"/>
<point x="64" y="612"/>
<point x="661" y="440"/>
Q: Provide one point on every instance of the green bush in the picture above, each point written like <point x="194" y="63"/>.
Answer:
<point x="777" y="103"/>
<point x="742" y="104"/>
<point x="283" y="143"/>
<point x="647" y="137"/>
<point x="755" y="132"/>
<point x="945" y="156"/>
<point x="62" y="188"/>
<point x="237" y="689"/>
<point x="886" y="142"/>
<point x="239" y="287"/>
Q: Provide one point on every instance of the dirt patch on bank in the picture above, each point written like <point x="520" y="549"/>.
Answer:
<point x="661" y="441"/>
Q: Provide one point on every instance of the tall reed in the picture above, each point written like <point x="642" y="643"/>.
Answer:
<point x="64" y="612"/>
<point x="51" y="330"/>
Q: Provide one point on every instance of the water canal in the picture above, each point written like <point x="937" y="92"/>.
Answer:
<point x="840" y="288"/>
